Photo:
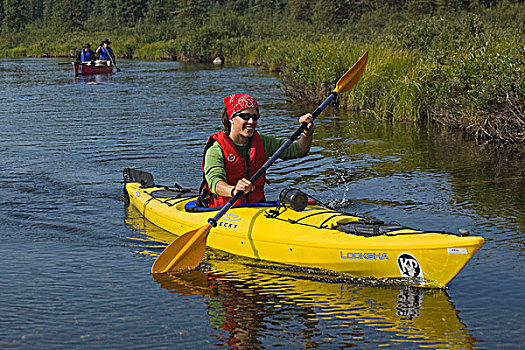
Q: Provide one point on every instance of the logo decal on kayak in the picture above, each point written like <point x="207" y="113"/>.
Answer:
<point x="228" y="221"/>
<point x="457" y="251"/>
<point x="231" y="217"/>
<point x="231" y="157"/>
<point x="367" y="256"/>
<point x="409" y="266"/>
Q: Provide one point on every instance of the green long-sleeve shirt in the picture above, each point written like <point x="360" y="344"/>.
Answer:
<point x="214" y="170"/>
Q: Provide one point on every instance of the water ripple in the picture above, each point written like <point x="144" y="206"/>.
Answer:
<point x="76" y="261"/>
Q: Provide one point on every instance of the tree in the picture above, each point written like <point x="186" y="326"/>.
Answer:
<point x="128" y="12"/>
<point x="1" y="14"/>
<point x="35" y="9"/>
<point x="15" y="18"/>
<point x="65" y="15"/>
<point x="105" y="14"/>
<point x="156" y="11"/>
<point x="191" y="12"/>
<point x="300" y="10"/>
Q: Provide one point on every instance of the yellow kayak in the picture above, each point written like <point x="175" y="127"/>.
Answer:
<point x="313" y="237"/>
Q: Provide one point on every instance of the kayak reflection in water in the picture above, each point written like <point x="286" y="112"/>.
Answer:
<point x="250" y="309"/>
<point x="237" y="153"/>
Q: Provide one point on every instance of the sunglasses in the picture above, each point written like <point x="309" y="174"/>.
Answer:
<point x="247" y="116"/>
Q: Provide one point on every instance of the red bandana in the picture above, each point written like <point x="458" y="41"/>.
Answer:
<point x="238" y="102"/>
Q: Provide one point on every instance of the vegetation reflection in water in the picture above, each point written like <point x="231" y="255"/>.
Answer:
<point x="247" y="301"/>
<point x="487" y="178"/>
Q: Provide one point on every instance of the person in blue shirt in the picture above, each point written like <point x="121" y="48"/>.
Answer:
<point x="86" y="55"/>
<point x="105" y="53"/>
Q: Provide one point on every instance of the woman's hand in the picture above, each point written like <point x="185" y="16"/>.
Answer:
<point x="243" y="185"/>
<point x="309" y="119"/>
<point x="305" y="142"/>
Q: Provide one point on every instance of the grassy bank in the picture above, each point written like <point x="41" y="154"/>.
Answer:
<point x="462" y="69"/>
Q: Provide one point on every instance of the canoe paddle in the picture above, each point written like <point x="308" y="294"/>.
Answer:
<point x="113" y="62"/>
<point x="81" y="63"/>
<point x="187" y="251"/>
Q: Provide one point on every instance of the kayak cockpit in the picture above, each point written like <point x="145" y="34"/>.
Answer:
<point x="192" y="206"/>
<point x="307" y="213"/>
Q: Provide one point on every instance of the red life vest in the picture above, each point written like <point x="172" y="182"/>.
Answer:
<point x="236" y="168"/>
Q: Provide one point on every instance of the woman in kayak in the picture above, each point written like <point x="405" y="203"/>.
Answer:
<point x="235" y="155"/>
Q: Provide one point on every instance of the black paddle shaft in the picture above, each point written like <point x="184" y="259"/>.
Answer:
<point x="273" y="158"/>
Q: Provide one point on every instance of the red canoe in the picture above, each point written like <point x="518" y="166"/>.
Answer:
<point x="85" y="69"/>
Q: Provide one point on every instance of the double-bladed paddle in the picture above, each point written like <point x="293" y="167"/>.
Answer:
<point x="187" y="251"/>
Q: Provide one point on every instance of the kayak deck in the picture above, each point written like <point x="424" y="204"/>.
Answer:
<point x="316" y="237"/>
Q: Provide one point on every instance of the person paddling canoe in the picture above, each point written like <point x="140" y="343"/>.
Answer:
<point x="235" y="155"/>
<point x="86" y="55"/>
<point x="105" y="53"/>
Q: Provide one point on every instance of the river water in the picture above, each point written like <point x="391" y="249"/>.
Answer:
<point x="75" y="260"/>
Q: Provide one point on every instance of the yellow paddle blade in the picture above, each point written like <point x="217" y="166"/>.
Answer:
<point x="185" y="252"/>
<point x="352" y="76"/>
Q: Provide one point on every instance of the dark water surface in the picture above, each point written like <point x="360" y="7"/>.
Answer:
<point x="76" y="261"/>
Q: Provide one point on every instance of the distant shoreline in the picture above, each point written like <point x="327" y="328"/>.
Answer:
<point x="461" y="64"/>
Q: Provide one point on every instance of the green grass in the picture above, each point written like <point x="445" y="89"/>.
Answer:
<point x="459" y="68"/>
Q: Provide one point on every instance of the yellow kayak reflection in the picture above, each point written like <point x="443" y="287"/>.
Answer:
<point x="247" y="300"/>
